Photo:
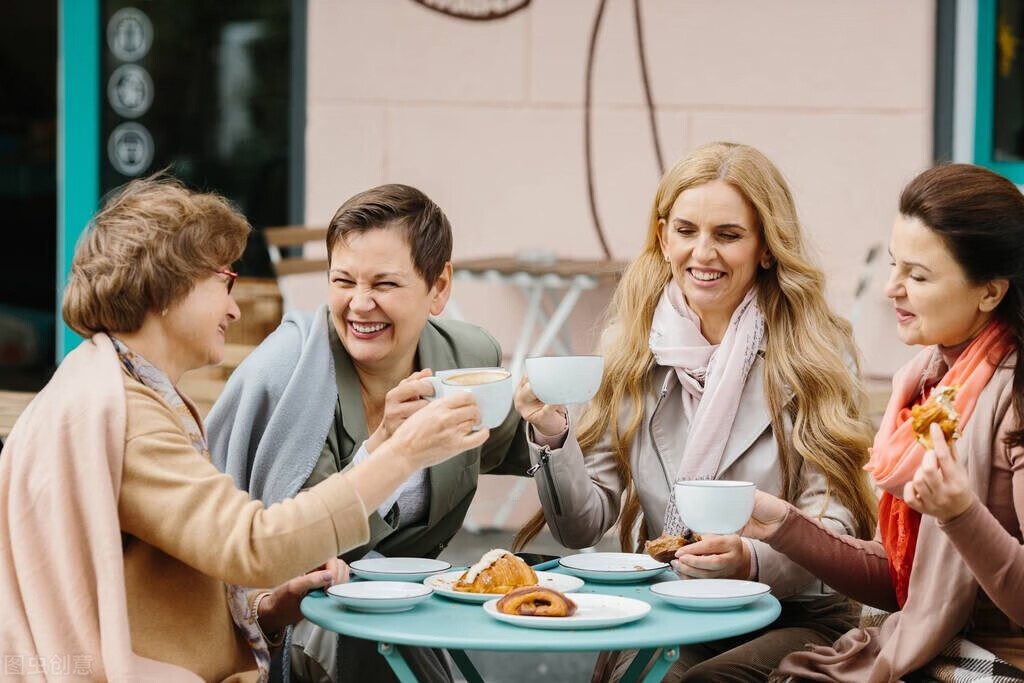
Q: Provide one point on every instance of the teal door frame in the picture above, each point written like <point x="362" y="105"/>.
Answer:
<point x="78" y="139"/>
<point x="985" y="95"/>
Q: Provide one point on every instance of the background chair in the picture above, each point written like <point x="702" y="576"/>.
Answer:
<point x="298" y="255"/>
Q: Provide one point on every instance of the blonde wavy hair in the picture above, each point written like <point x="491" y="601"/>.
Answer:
<point x="808" y="352"/>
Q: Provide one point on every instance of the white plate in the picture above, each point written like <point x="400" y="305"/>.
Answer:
<point x="398" y="568"/>
<point x="444" y="584"/>
<point x="379" y="596"/>
<point x="613" y="567"/>
<point x="593" y="610"/>
<point x="710" y="594"/>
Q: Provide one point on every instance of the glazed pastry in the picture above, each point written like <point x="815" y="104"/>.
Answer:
<point x="498" y="571"/>
<point x="938" y="408"/>
<point x="537" y="601"/>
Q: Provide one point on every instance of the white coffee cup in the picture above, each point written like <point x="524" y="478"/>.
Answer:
<point x="715" y="506"/>
<point x="559" y="380"/>
<point x="492" y="388"/>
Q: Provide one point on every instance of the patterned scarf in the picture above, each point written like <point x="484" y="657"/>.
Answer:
<point x="896" y="454"/>
<point x="154" y="378"/>
<point x="711" y="376"/>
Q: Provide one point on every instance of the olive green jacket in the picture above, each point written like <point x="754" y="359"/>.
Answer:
<point x="444" y="344"/>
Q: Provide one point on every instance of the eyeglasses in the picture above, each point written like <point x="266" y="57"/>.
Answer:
<point x="231" y="277"/>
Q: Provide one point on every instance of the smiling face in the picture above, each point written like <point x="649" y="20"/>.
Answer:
<point x="379" y="303"/>
<point x="934" y="301"/>
<point x="194" y="327"/>
<point x="714" y="245"/>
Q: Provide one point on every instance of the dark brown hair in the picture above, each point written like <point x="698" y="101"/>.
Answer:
<point x="145" y="249"/>
<point x="421" y="221"/>
<point x="979" y="215"/>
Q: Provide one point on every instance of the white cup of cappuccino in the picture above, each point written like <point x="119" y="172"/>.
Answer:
<point x="715" y="506"/>
<point x="492" y="388"/>
<point x="560" y="380"/>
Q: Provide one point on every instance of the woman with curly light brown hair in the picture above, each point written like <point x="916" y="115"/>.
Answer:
<point x="723" y="361"/>
<point x="121" y="545"/>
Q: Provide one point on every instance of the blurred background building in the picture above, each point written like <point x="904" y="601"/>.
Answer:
<point x="539" y="126"/>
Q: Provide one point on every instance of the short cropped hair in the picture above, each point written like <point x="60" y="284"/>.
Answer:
<point x="145" y="249"/>
<point x="425" y="227"/>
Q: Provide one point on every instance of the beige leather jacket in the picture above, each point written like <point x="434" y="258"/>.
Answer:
<point x="581" y="497"/>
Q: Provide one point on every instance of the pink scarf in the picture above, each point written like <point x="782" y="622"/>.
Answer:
<point x="61" y="567"/>
<point x="711" y="378"/>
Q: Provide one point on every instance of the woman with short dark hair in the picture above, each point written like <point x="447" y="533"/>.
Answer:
<point x="326" y="388"/>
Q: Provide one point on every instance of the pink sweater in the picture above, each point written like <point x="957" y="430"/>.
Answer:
<point x="986" y="539"/>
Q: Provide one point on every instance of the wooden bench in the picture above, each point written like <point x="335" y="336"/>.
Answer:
<point x="12" y="404"/>
<point x="298" y="254"/>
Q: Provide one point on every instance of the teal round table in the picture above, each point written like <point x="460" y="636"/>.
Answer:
<point x="459" y="626"/>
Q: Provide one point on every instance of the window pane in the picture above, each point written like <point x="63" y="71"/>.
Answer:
<point x="1008" y="105"/>
<point x="201" y="88"/>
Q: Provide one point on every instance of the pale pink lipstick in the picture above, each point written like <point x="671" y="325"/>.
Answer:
<point x="903" y="316"/>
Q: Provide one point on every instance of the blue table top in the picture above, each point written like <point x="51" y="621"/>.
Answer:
<point x="440" y="622"/>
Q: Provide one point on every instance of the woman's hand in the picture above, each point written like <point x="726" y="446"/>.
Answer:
<point x="402" y="401"/>
<point x="768" y="515"/>
<point x="440" y="430"/>
<point x="281" y="607"/>
<point x="940" y="487"/>
<point x="548" y="420"/>
<point x="713" y="557"/>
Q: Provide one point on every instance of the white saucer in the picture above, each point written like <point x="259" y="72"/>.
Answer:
<point x="398" y="568"/>
<point x="613" y="567"/>
<point x="710" y="594"/>
<point x="379" y="596"/>
<point x="444" y="584"/>
<point x="593" y="610"/>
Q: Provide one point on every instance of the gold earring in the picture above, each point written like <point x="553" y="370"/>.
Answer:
<point x="666" y="257"/>
<point x="164" y="312"/>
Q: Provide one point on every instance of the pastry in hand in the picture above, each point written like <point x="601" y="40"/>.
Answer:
<point x="498" y="571"/>
<point x="537" y="601"/>
<point x="664" y="547"/>
<point x="939" y="409"/>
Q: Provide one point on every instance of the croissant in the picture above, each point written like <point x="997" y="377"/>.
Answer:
<point x="664" y="548"/>
<point x="938" y="408"/>
<point x="498" y="571"/>
<point x="537" y="601"/>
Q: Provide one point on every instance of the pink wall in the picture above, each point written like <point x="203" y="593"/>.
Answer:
<point x="486" y="117"/>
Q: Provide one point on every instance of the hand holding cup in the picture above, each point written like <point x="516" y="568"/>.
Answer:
<point x="547" y="419"/>
<point x="444" y="428"/>
<point x="401" y="402"/>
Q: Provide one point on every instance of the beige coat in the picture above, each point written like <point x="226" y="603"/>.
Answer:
<point x="581" y="498"/>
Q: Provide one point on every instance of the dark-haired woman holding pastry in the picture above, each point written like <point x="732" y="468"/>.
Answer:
<point x="949" y="455"/>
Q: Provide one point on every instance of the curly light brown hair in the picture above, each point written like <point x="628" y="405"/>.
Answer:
<point x="145" y="249"/>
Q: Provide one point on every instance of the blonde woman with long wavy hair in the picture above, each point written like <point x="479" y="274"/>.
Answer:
<point x="722" y="361"/>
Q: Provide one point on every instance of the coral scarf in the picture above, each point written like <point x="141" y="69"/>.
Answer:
<point x="896" y="454"/>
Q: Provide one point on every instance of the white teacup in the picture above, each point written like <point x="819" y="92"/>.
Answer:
<point x="492" y="388"/>
<point x="711" y="506"/>
<point x="559" y="380"/>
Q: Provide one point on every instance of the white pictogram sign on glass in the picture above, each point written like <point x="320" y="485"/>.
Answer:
<point x="129" y="34"/>
<point x="130" y="148"/>
<point x="130" y="90"/>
